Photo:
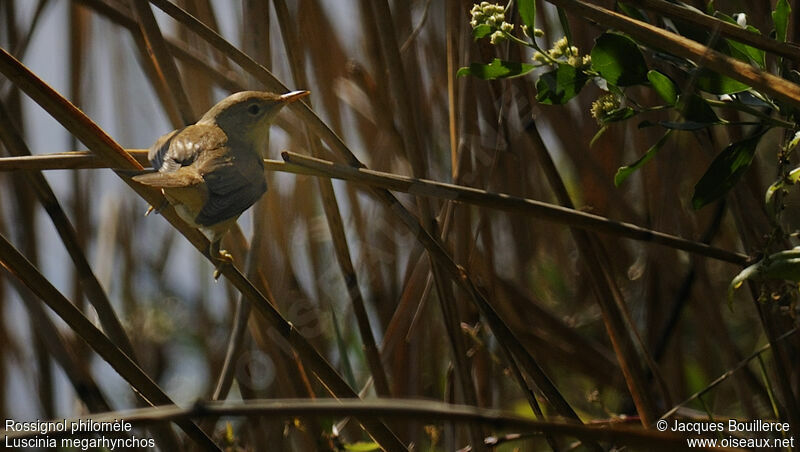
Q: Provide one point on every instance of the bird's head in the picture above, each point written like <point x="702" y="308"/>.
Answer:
<point x="247" y="115"/>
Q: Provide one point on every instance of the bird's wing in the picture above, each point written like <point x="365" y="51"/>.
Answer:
<point x="198" y="166"/>
<point x="182" y="147"/>
<point x="174" y="156"/>
<point x="182" y="177"/>
<point x="232" y="188"/>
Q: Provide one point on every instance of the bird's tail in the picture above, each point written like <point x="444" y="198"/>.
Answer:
<point x="184" y="177"/>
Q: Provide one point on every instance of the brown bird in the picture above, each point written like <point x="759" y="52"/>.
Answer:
<point x="212" y="171"/>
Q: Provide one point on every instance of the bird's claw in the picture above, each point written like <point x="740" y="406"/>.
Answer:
<point x="222" y="258"/>
<point x="151" y="208"/>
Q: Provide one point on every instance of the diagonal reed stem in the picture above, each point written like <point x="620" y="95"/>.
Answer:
<point x="333" y="216"/>
<point x="435" y="248"/>
<point x="113" y="155"/>
<point x="20" y="267"/>
<point x="400" y="409"/>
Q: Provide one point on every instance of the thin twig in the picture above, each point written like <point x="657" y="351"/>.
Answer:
<point x="540" y="210"/>
<point x="20" y="267"/>
<point x="727" y="374"/>
<point x="163" y="61"/>
<point x="388" y="409"/>
<point x="726" y="29"/>
<point x="114" y="156"/>
<point x="333" y="216"/>
<point x="112" y="326"/>
<point x="678" y="45"/>
<point x="298" y="164"/>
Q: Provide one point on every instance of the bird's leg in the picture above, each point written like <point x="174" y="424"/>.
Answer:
<point x="151" y="208"/>
<point x="219" y="256"/>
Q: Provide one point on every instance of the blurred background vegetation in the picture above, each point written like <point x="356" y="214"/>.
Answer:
<point x="337" y="261"/>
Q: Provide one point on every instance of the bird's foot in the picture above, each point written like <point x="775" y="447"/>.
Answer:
<point x="151" y="208"/>
<point x="221" y="258"/>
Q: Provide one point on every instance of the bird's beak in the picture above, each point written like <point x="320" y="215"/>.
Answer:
<point x="293" y="96"/>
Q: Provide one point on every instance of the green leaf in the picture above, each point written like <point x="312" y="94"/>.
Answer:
<point x="770" y="201"/>
<point x="362" y="446"/>
<point x="783" y="265"/>
<point x="663" y="86"/>
<point x="562" y="18"/>
<point x="780" y="17"/>
<point x="738" y="50"/>
<point x="625" y="171"/>
<point x="770" y="205"/>
<point x="715" y="83"/>
<point x="481" y="31"/>
<point x="699" y="33"/>
<point x="527" y="12"/>
<point x="793" y="144"/>
<point x="618" y="59"/>
<point x="695" y="108"/>
<point x="747" y="53"/>
<point x="496" y="69"/>
<point x="632" y="12"/>
<point x="725" y="171"/>
<point x="560" y="85"/>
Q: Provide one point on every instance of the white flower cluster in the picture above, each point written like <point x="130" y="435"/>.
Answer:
<point x="537" y="32"/>
<point x="562" y="51"/>
<point x="604" y="105"/>
<point x="493" y="15"/>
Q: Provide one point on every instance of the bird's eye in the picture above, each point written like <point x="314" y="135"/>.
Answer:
<point x="254" y="109"/>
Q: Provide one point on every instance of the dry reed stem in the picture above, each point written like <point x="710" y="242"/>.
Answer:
<point x="540" y="210"/>
<point x="20" y="267"/>
<point x="726" y="29"/>
<point x="165" y="69"/>
<point x="334" y="218"/>
<point x="112" y="326"/>
<point x="309" y="166"/>
<point x="408" y="116"/>
<point x="400" y="409"/>
<point x="706" y="57"/>
<point x="675" y="44"/>
<point x="113" y="155"/>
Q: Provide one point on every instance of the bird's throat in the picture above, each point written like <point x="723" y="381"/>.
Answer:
<point x="259" y="137"/>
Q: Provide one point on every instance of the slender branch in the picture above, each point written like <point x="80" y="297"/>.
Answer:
<point x="686" y="48"/>
<point x="429" y="411"/>
<point x="333" y="216"/>
<point x="15" y="144"/>
<point x="162" y="60"/>
<point x="752" y="111"/>
<point x="727" y="374"/>
<point x="13" y="261"/>
<point x="433" y="245"/>
<point x="308" y="166"/>
<point x="540" y="210"/>
<point x="114" y="156"/>
<point x="726" y="29"/>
